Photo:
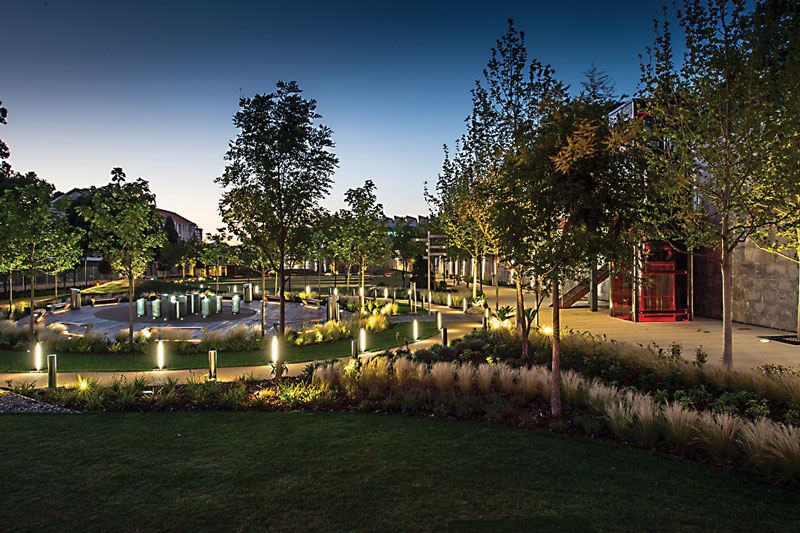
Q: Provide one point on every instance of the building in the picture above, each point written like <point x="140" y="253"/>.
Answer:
<point x="187" y="230"/>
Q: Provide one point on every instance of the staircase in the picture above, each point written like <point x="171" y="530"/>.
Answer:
<point x="582" y="289"/>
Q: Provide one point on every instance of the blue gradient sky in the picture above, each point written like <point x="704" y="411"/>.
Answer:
<point x="152" y="86"/>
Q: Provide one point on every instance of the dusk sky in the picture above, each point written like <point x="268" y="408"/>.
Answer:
<point x="152" y="87"/>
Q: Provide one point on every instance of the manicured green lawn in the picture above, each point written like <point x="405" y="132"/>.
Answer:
<point x="91" y="362"/>
<point x="315" y="471"/>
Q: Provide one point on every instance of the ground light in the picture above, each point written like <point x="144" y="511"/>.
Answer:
<point x="547" y="330"/>
<point x="212" y="365"/>
<point x="415" y="330"/>
<point x="160" y="355"/>
<point x="362" y="339"/>
<point x="275" y="349"/>
<point x="38" y="363"/>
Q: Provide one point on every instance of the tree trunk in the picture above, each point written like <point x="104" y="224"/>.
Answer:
<point x="31" y="315"/>
<point x="55" y="281"/>
<point x="520" y="316"/>
<point x="474" y="278"/>
<point x="555" y="386"/>
<point x="319" y="277"/>
<point x="798" y="287"/>
<point x="282" y="324"/>
<point x="11" y="290"/>
<point x="217" y="275"/>
<point x="496" y="287"/>
<point x="131" y="287"/>
<point x="727" y="306"/>
<point x="263" y="301"/>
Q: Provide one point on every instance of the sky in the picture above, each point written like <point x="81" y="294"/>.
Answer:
<point x="153" y="86"/>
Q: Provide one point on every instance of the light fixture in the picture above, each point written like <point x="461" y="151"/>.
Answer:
<point x="362" y="338"/>
<point x="160" y="354"/>
<point x="275" y="349"/>
<point x="547" y="330"/>
<point x="37" y="356"/>
<point x="415" y="330"/>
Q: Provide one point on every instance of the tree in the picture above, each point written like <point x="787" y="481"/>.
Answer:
<point x="713" y="124"/>
<point x="124" y="228"/>
<point x="365" y="235"/>
<point x="775" y="26"/>
<point x="215" y="251"/>
<point x="404" y="246"/>
<point x="42" y="240"/>
<point x="279" y="168"/>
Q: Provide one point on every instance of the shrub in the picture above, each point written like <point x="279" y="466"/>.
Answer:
<point x="465" y="375"/>
<point x="505" y="378"/>
<point x="483" y="378"/>
<point x="444" y="375"/>
<point x="619" y="417"/>
<point x="535" y="382"/>
<point x="678" y="425"/>
<point x="404" y="371"/>
<point x="716" y="434"/>
<point x="571" y="387"/>
<point x="646" y="417"/>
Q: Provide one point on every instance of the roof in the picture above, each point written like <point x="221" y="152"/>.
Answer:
<point x="176" y="218"/>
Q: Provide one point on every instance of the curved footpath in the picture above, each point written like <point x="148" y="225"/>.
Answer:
<point x="457" y="323"/>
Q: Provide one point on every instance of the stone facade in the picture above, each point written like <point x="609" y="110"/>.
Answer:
<point x="764" y="288"/>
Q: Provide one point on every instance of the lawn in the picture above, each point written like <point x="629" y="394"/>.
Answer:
<point x="318" y="471"/>
<point x="91" y="362"/>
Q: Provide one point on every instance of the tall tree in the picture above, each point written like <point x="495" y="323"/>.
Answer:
<point x="404" y="246"/>
<point x="42" y="239"/>
<point x="365" y="235"/>
<point x="124" y="228"/>
<point x="713" y="124"/>
<point x="278" y="169"/>
<point x="216" y="252"/>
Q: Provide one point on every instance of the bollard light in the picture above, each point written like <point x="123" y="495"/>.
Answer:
<point x="160" y="355"/>
<point x="449" y="301"/>
<point x="308" y="290"/>
<point x="486" y="313"/>
<point x="415" y="330"/>
<point x="234" y="289"/>
<point x="257" y="288"/>
<point x="444" y="336"/>
<point x="362" y="339"/>
<point x="275" y="349"/>
<point x="37" y="356"/>
<point x="52" y="373"/>
<point x="336" y="291"/>
<point x="354" y="348"/>
<point x="438" y="320"/>
<point x="212" y="365"/>
<point x="361" y="292"/>
<point x="465" y="304"/>
<point x="386" y="293"/>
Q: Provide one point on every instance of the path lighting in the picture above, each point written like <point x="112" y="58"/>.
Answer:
<point x="257" y="288"/>
<point x="438" y="320"/>
<point x="464" y="301"/>
<point x="212" y="365"/>
<point x="362" y="340"/>
<point x="386" y="293"/>
<point x="275" y="349"/>
<point x="38" y="363"/>
<point x="336" y="291"/>
<point x="52" y="372"/>
<point x="308" y="290"/>
<point x="415" y="332"/>
<point x="547" y="330"/>
<point x="234" y="289"/>
<point x="160" y="354"/>
<point x="486" y="313"/>
<point x="449" y="301"/>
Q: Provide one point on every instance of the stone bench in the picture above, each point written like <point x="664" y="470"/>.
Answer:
<point x="100" y="302"/>
<point x="87" y="328"/>
<point x="55" y="309"/>
<point x="312" y="302"/>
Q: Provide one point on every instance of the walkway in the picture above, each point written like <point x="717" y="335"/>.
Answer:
<point x="456" y="322"/>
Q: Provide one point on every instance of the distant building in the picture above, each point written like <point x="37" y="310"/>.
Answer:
<point x="187" y="230"/>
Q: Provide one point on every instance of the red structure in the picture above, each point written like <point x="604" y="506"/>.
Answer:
<point x="656" y="289"/>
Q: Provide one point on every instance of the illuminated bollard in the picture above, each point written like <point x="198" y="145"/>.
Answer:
<point x="336" y="291"/>
<point x="37" y="357"/>
<point x="415" y="330"/>
<point x="386" y="293"/>
<point x="449" y="300"/>
<point x="362" y="340"/>
<point x="160" y="355"/>
<point x="51" y="371"/>
<point x="430" y="300"/>
<point x="212" y="365"/>
<point x="140" y="307"/>
<point x="235" y="304"/>
<point x="444" y="336"/>
<point x="354" y="348"/>
<point x="155" y="307"/>
<point x="205" y="306"/>
<point x="275" y="350"/>
<point x="308" y="291"/>
<point x="219" y="304"/>
<point x="438" y="320"/>
<point x="465" y="304"/>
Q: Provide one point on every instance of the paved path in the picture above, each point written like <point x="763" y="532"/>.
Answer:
<point x="456" y="322"/>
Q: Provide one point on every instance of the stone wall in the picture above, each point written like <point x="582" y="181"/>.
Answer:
<point x="764" y="288"/>
<point x="707" y="284"/>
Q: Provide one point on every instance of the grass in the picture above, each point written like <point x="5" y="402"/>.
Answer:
<point x="90" y="362"/>
<point x="317" y="471"/>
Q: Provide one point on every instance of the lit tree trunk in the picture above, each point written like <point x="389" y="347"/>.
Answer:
<point x="264" y="300"/>
<point x="11" y="290"/>
<point x="520" y="317"/>
<point x="33" y="277"/>
<point x="131" y="287"/>
<point x="319" y="277"/>
<point x="496" y="287"/>
<point x="555" y="386"/>
<point x="727" y="298"/>
<point x="282" y="324"/>
<point x="474" y="278"/>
